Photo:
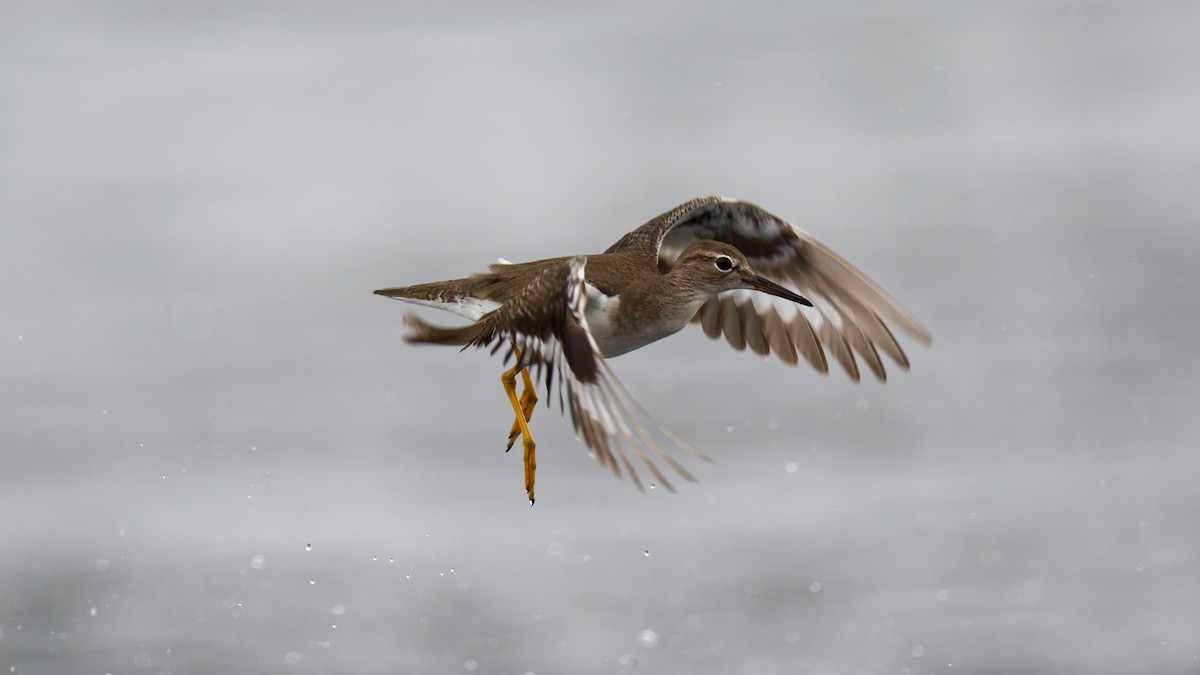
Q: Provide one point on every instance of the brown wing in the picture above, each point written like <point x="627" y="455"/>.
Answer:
<point x="852" y="313"/>
<point x="546" y="322"/>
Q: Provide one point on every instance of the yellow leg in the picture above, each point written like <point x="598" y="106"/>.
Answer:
<point x="529" y="401"/>
<point x="509" y="379"/>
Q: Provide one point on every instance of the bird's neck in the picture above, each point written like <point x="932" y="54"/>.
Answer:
<point x="669" y="300"/>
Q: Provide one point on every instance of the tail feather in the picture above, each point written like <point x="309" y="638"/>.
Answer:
<point x="423" y="332"/>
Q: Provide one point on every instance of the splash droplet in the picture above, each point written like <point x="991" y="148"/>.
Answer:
<point x="647" y="639"/>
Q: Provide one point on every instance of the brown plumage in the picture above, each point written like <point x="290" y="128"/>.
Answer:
<point x="702" y="261"/>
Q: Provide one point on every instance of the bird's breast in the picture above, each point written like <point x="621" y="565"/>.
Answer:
<point x="618" y="330"/>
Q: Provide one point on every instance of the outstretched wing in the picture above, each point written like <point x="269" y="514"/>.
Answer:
<point x="851" y="314"/>
<point x="546" y="324"/>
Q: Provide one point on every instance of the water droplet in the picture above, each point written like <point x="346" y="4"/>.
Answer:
<point x="375" y="558"/>
<point x="815" y="587"/>
<point x="647" y="639"/>
<point x="861" y="406"/>
<point x="553" y="548"/>
<point x="140" y="659"/>
<point x="772" y="424"/>
<point x="1141" y="565"/>
<point x="646" y="553"/>
<point x="391" y="560"/>
<point x="307" y="547"/>
<point x="791" y="467"/>
<point x="937" y="69"/>
<point x="918" y="651"/>
<point x="102" y="564"/>
<point x="292" y="657"/>
<point x="729" y="429"/>
<point x="942" y="595"/>
<point x="792" y="637"/>
<point x="339" y="610"/>
<point x="312" y="582"/>
<point x="258" y="562"/>
<point x="470" y="664"/>
<point x="93" y="611"/>
<point x="627" y="660"/>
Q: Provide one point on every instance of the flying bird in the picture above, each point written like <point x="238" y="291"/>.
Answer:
<point x="728" y="265"/>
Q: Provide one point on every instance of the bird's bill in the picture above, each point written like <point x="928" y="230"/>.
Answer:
<point x="769" y="287"/>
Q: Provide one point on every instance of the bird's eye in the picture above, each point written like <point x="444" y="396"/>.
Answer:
<point x="724" y="263"/>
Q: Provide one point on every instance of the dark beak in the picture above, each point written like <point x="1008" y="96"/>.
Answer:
<point x="769" y="287"/>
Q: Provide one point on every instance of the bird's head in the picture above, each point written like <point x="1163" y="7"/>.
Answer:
<point x="714" y="266"/>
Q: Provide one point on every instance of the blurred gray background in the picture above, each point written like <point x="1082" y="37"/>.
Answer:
<point x="216" y="455"/>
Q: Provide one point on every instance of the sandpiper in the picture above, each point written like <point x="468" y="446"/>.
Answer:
<point x="703" y="262"/>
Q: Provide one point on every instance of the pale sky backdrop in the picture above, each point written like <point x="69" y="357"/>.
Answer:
<point x="216" y="454"/>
